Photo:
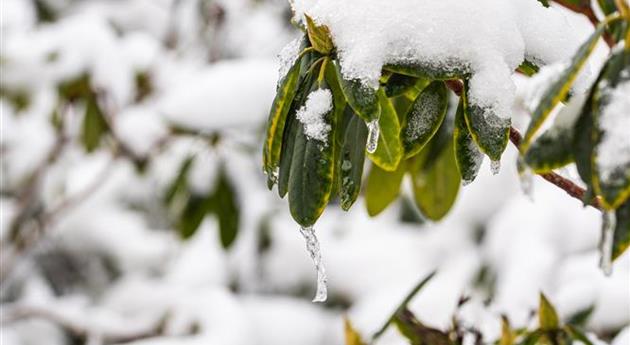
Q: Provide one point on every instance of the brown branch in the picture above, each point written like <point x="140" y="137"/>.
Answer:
<point x="586" y="10"/>
<point x="81" y="329"/>
<point x="515" y="137"/>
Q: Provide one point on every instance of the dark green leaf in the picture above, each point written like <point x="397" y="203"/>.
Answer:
<point x="490" y="132"/>
<point x="577" y="335"/>
<point x="361" y="98"/>
<point x="180" y="183"/>
<point x="94" y="125"/>
<point x="397" y="84"/>
<point x="277" y="120"/>
<point x="467" y="154"/>
<point x="382" y="188"/>
<point x="225" y="206"/>
<point x="197" y="207"/>
<point x="581" y="316"/>
<point x="552" y="150"/>
<point x="351" y="160"/>
<point x="431" y="71"/>
<point x="310" y="181"/>
<point x="424" y="118"/>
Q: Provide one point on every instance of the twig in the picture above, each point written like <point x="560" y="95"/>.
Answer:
<point x="515" y="137"/>
<point x="80" y="328"/>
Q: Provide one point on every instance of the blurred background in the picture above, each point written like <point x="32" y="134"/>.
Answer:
<point x="134" y="210"/>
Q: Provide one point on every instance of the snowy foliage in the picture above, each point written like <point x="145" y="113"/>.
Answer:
<point x="133" y="209"/>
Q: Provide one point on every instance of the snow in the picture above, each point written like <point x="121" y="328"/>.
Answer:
<point x="614" y="149"/>
<point x="113" y="261"/>
<point x="489" y="39"/>
<point x="287" y="56"/>
<point x="210" y="98"/>
<point x="312" y="115"/>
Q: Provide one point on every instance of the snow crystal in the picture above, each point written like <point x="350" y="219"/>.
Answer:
<point x="489" y="39"/>
<point x="422" y="116"/>
<point x="287" y="57"/>
<point x="311" y="114"/>
<point x="614" y="150"/>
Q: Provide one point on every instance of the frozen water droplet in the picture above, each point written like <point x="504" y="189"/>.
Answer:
<point x="312" y="246"/>
<point x="373" y="134"/>
<point x="526" y="178"/>
<point x="606" y="242"/>
<point x="495" y="167"/>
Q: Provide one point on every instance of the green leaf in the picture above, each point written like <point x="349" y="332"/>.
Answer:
<point x="403" y="304"/>
<point x="580" y="317"/>
<point x="352" y="336"/>
<point x="621" y="240"/>
<point x="310" y="180"/>
<point x="389" y="151"/>
<point x="430" y="71"/>
<point x="528" y="68"/>
<point x="467" y="154"/>
<point x="397" y="84"/>
<point x="195" y="210"/>
<point x="435" y="182"/>
<point x="351" y="160"/>
<point x="382" y="188"/>
<point x="179" y="185"/>
<point x="226" y="208"/>
<point x="319" y="35"/>
<point x="417" y="333"/>
<point x="547" y="315"/>
<point x="552" y="150"/>
<point x="94" y="125"/>
<point x="424" y="118"/>
<point x="490" y="132"/>
<point x="577" y="335"/>
<point x="614" y="188"/>
<point x="584" y="143"/>
<point x="277" y="119"/>
<point x="507" y="335"/>
<point x="559" y="90"/>
<point x="361" y="98"/>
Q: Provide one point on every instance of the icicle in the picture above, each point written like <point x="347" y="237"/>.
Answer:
<point x="495" y="167"/>
<point x="373" y="134"/>
<point x="527" y="183"/>
<point x="312" y="246"/>
<point x="526" y="178"/>
<point x="606" y="242"/>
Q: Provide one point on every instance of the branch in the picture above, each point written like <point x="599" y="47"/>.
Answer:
<point x="515" y="137"/>
<point x="82" y="329"/>
<point x="563" y="183"/>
